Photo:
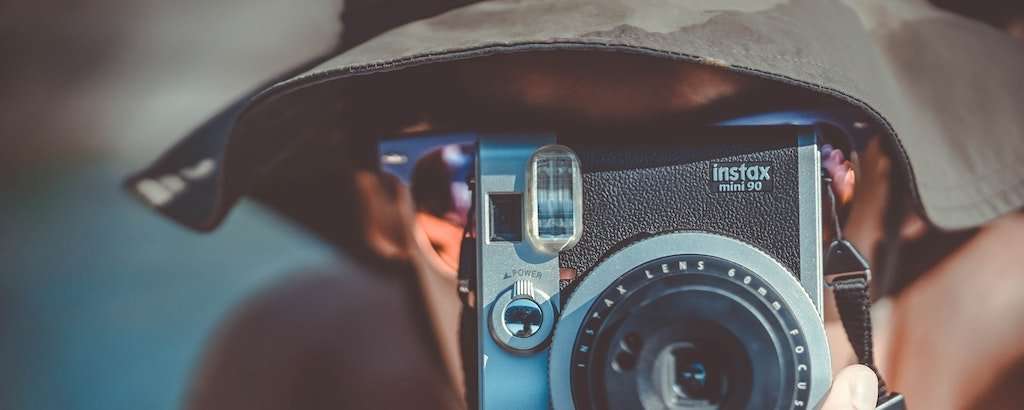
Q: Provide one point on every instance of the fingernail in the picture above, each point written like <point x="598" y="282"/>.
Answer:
<point x="863" y="394"/>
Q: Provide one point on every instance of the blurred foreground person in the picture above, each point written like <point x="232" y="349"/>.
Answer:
<point x="928" y="186"/>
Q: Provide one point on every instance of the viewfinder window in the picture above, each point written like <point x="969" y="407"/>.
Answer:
<point x="506" y="220"/>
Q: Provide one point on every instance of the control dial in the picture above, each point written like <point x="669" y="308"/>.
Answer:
<point x="522" y="317"/>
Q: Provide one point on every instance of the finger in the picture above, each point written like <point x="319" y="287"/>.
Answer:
<point x="855" y="387"/>
<point x="841" y="172"/>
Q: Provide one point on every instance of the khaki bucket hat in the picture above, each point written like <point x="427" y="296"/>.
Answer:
<point x="948" y="92"/>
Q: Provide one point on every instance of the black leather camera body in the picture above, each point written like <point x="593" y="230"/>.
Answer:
<point x="647" y="187"/>
<point x="697" y="260"/>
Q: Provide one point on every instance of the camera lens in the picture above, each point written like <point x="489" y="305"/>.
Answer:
<point x="696" y="376"/>
<point x="705" y="339"/>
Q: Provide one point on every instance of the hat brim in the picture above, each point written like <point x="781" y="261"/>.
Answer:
<point x="915" y="71"/>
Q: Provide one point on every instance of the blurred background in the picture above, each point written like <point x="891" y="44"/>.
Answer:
<point x="104" y="305"/>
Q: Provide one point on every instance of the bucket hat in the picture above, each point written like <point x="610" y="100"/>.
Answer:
<point x="945" y="91"/>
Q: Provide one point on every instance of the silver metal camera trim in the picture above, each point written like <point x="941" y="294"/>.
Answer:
<point x="809" y="199"/>
<point x="641" y="252"/>
<point x="509" y="375"/>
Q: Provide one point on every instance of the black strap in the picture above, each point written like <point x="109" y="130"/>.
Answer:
<point x="855" y="311"/>
<point x="848" y="274"/>
<point x="854" y="303"/>
<point x="468" y="323"/>
<point x="468" y="326"/>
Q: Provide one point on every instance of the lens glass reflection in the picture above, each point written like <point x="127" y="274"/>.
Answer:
<point x="436" y="170"/>
<point x="697" y="375"/>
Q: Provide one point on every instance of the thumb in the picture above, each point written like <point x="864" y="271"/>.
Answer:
<point x="855" y="387"/>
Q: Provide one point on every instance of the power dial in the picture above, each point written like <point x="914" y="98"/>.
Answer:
<point x="522" y="318"/>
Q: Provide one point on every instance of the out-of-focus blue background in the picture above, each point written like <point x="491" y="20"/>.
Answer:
<point x="103" y="305"/>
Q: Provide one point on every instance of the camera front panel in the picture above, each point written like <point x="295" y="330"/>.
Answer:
<point x="757" y="188"/>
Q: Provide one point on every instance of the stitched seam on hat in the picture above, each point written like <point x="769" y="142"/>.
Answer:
<point x="742" y="51"/>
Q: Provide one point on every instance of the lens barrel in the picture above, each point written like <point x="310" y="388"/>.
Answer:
<point x="688" y="332"/>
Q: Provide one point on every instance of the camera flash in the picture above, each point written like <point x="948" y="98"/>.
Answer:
<point x="553" y="200"/>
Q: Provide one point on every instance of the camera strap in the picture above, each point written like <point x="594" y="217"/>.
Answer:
<point x="468" y="322"/>
<point x="849" y="275"/>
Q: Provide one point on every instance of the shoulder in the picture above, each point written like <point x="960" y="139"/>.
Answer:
<point x="344" y="337"/>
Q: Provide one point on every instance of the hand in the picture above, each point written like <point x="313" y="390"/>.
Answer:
<point x="855" y="387"/>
